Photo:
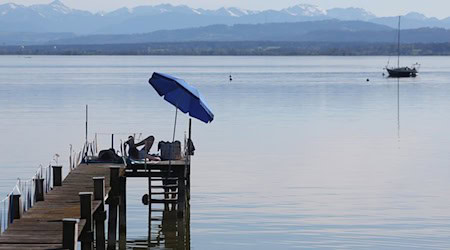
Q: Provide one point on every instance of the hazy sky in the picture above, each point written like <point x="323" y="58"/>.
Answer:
<point x="437" y="8"/>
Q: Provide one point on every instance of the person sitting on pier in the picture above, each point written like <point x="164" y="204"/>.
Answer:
<point x="143" y="153"/>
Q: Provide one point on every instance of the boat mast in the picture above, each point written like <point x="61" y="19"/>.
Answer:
<point x="398" y="43"/>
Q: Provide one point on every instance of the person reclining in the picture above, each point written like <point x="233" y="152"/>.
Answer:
<point x="143" y="153"/>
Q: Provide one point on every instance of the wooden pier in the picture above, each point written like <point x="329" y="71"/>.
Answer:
<point x="75" y="209"/>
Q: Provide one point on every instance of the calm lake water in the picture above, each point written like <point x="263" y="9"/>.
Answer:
<point x="303" y="151"/>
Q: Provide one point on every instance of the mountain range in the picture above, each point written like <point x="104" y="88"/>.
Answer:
<point x="320" y="31"/>
<point x="57" y="23"/>
<point x="57" y="17"/>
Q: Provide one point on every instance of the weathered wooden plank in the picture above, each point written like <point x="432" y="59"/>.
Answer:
<point x="163" y="201"/>
<point x="19" y="239"/>
<point x="30" y="232"/>
<point x="36" y="226"/>
<point x="31" y="246"/>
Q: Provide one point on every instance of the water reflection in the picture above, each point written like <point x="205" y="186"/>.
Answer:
<point x="398" y="106"/>
<point x="398" y="109"/>
<point x="167" y="230"/>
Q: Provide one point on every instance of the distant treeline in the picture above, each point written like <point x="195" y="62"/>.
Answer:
<point x="233" y="48"/>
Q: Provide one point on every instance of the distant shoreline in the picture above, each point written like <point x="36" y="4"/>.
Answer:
<point x="248" y="48"/>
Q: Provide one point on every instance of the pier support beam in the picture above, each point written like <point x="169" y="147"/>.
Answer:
<point x="188" y="181"/>
<point x="181" y="233"/>
<point x="100" y="214"/>
<point x="123" y="214"/>
<point x="149" y="202"/>
<point x="57" y="176"/>
<point x="39" y="189"/>
<point x="70" y="233"/>
<point x="188" y="224"/>
<point x="87" y="236"/>
<point x="181" y="200"/>
<point x="113" y="201"/>
<point x="188" y="155"/>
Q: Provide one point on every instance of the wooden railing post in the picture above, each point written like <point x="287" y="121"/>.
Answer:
<point x="99" y="188"/>
<point x="17" y="208"/>
<point x="14" y="208"/>
<point x="57" y="176"/>
<point x="113" y="201"/>
<point x="100" y="214"/>
<point x="39" y="189"/>
<point x="87" y="238"/>
<point x="70" y="233"/>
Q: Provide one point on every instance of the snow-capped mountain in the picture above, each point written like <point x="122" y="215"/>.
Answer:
<point x="53" y="17"/>
<point x="57" y="17"/>
<point x="305" y="10"/>
<point x="350" y="14"/>
<point x="5" y="9"/>
<point x="54" y="8"/>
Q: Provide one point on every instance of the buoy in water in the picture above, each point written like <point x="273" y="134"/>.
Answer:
<point x="231" y="78"/>
<point x="367" y="80"/>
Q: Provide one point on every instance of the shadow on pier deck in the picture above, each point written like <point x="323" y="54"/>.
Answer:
<point x="74" y="210"/>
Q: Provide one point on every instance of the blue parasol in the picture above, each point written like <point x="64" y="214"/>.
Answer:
<point x="183" y="96"/>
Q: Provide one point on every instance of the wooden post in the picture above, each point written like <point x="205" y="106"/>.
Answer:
<point x="39" y="189"/>
<point x="181" y="233"/>
<point x="114" y="180"/>
<point x="99" y="188"/>
<point x="86" y="213"/>
<point x="113" y="201"/>
<point x="112" y="227"/>
<point x="14" y="208"/>
<point x="10" y="215"/>
<point x="181" y="200"/>
<point x="188" y="173"/>
<point x="149" y="202"/>
<point x="188" y="178"/>
<point x="100" y="214"/>
<point x="17" y="208"/>
<point x="57" y="176"/>
<point x="188" y="225"/>
<point x="70" y="233"/>
<point x="190" y="128"/>
<point x="123" y="214"/>
<point x="112" y="141"/>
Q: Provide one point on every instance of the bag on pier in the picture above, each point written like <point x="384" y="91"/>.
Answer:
<point x="109" y="155"/>
<point x="190" y="147"/>
<point x="169" y="150"/>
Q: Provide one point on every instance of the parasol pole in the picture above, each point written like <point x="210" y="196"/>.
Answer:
<point x="86" y="124"/>
<point x="398" y="43"/>
<point x="87" y="144"/>
<point x="173" y="140"/>
<point x="175" y="124"/>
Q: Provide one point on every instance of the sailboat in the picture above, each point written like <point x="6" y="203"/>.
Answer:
<point x="401" y="71"/>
